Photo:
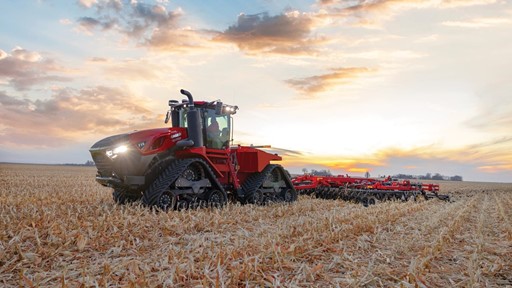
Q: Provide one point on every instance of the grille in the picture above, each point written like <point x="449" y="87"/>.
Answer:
<point x="103" y="163"/>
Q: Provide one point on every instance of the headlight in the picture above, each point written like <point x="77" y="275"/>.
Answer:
<point x="227" y="109"/>
<point x="116" y="151"/>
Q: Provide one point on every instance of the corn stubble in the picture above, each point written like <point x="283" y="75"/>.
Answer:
<point x="59" y="228"/>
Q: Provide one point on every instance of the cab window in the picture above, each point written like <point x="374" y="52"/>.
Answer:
<point x="217" y="130"/>
<point x="183" y="118"/>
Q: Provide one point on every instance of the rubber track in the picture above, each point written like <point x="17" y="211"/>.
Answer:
<point x="256" y="180"/>
<point x="213" y="179"/>
<point x="124" y="196"/>
<point x="170" y="174"/>
<point x="157" y="169"/>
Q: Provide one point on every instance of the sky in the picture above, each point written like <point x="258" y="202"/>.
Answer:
<point x="384" y="86"/>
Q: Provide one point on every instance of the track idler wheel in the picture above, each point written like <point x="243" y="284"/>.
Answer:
<point x="288" y="195"/>
<point x="216" y="199"/>
<point x="256" y="197"/>
<point x="167" y="201"/>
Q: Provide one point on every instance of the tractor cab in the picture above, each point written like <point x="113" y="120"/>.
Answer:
<point x="215" y="121"/>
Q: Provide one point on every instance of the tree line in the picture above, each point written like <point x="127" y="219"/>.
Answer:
<point x="428" y="176"/>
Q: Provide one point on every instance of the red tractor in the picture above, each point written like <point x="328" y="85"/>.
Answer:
<point x="191" y="164"/>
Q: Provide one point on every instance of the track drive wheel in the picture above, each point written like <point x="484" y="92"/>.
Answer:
<point x="194" y="172"/>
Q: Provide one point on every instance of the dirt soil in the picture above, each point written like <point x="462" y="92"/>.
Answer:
<point x="58" y="227"/>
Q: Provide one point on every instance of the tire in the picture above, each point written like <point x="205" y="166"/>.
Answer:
<point x="364" y="201"/>
<point x="372" y="200"/>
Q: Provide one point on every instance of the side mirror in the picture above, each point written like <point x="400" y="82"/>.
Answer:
<point x="167" y="116"/>
<point x="218" y="108"/>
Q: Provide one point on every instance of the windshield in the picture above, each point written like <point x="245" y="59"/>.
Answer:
<point x="218" y="129"/>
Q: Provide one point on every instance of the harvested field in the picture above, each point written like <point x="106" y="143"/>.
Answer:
<point x="58" y="227"/>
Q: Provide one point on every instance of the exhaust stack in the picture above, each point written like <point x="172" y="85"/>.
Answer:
<point x="194" y="121"/>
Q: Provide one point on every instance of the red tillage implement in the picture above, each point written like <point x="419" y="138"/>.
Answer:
<point x="367" y="191"/>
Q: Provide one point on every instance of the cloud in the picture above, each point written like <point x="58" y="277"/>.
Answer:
<point x="320" y="83"/>
<point x="287" y="33"/>
<point x="464" y="3"/>
<point x="145" y="17"/>
<point x="478" y="23"/>
<point x="23" y="69"/>
<point x="371" y="13"/>
<point x="155" y="27"/>
<point x="135" y="72"/>
<point x="179" y="40"/>
<point x="89" y="24"/>
<point x="485" y="160"/>
<point x="382" y="5"/>
<point x="65" y="21"/>
<point x="87" y="3"/>
<point x="151" y="26"/>
<point x="71" y="115"/>
<point x="494" y="112"/>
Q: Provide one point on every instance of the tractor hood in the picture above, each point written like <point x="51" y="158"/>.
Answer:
<point x="122" y="160"/>
<point x="146" y="142"/>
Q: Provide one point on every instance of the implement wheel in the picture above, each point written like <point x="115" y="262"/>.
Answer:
<point x="372" y="200"/>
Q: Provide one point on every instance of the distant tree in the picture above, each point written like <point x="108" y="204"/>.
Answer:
<point x="428" y="176"/>
<point x="456" y="178"/>
<point x="89" y="163"/>
<point x="321" y="172"/>
<point x="404" y="176"/>
<point x="367" y="174"/>
<point x="305" y="170"/>
<point x="437" y="176"/>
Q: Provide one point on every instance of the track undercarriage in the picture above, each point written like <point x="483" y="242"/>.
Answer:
<point x="271" y="185"/>
<point x="185" y="183"/>
<point x="191" y="183"/>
